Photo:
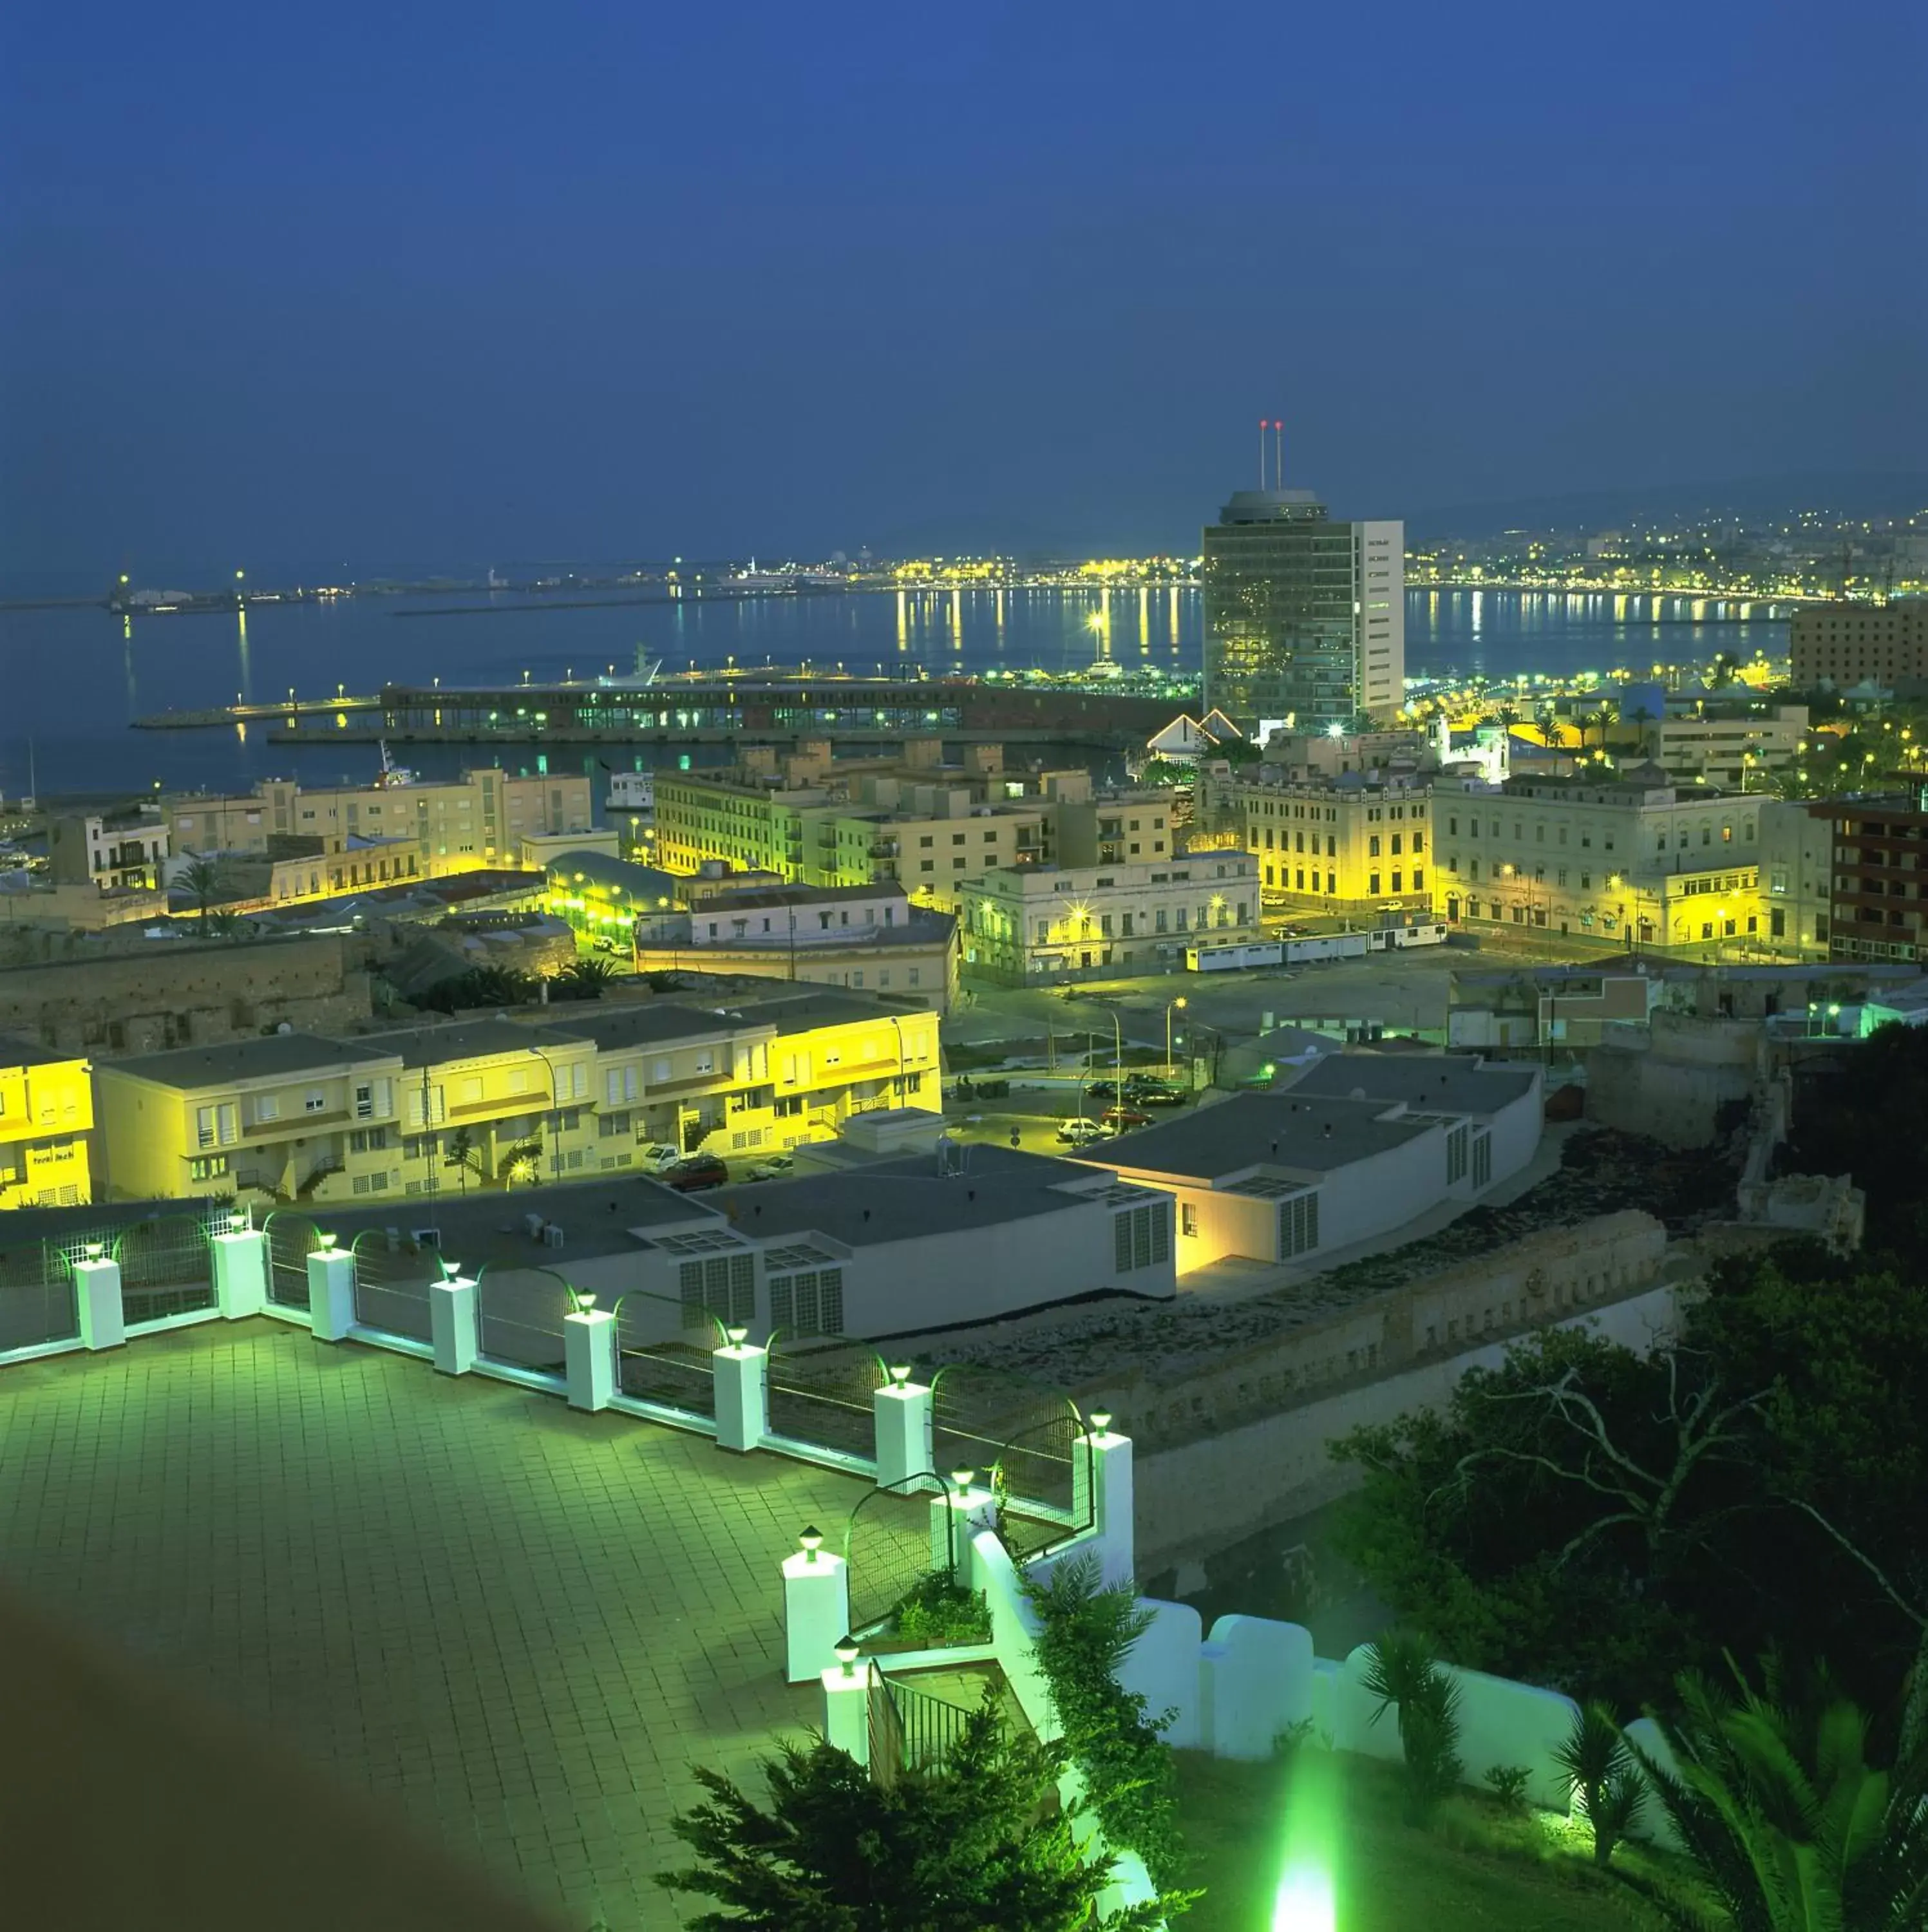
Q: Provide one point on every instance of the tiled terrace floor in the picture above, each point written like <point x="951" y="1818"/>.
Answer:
<point x="515" y="1625"/>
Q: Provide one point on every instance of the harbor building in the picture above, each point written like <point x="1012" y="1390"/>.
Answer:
<point x="1305" y="617"/>
<point x="1845" y="644"/>
<point x="125" y="851"/>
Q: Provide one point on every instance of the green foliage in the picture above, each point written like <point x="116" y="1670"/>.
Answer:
<point x="1168" y="772"/>
<point x="977" y="1844"/>
<point x="1591" y="1519"/>
<point x="1595" y="1755"/>
<point x="1777" y="1798"/>
<point x="1403" y="1674"/>
<point x="1086" y="1631"/>
<point x="937" y="1610"/>
<point x="481" y="986"/>
<point x="583" y="978"/>
<point x="1508" y="1783"/>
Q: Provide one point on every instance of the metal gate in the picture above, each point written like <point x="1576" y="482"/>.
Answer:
<point x="292" y="1238"/>
<point x="893" y="1539"/>
<point x="983" y="1418"/>
<point x="521" y="1313"/>
<point x="393" y="1275"/>
<point x="654" y="1364"/>
<point x="166" y="1266"/>
<point x="820" y="1393"/>
<point x="1044" y="1501"/>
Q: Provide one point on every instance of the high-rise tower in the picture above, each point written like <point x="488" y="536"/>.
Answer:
<point x="1304" y="618"/>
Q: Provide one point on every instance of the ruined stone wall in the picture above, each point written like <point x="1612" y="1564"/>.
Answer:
<point x="183" y="993"/>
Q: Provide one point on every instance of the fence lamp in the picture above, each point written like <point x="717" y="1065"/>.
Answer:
<point x="900" y="1372"/>
<point x="95" y="1249"/>
<point x="450" y="1270"/>
<point x="810" y="1540"/>
<point x="847" y="1650"/>
<point x="586" y="1304"/>
<point x="1101" y="1421"/>
<point x="736" y="1334"/>
<point x="238" y="1224"/>
<point x="963" y="1478"/>
<point x="326" y="1237"/>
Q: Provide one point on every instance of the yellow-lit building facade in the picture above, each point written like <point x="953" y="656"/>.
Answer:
<point x="1626" y="863"/>
<point x="1349" y="848"/>
<point x="503" y="1102"/>
<point x="47" y="1116"/>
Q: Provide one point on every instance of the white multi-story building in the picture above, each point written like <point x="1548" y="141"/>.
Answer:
<point x="1628" y="863"/>
<point x="1042" y="922"/>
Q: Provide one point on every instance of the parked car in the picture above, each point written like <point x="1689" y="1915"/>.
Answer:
<point x="1080" y="1133"/>
<point x="698" y="1171"/>
<point x="657" y="1155"/>
<point x="1102" y="1089"/>
<point x="1121" y="1120"/>
<point x="774" y="1167"/>
<point x="1153" y="1094"/>
<point x="993" y="1090"/>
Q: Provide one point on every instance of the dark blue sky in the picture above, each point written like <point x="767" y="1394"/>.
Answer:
<point x="395" y="284"/>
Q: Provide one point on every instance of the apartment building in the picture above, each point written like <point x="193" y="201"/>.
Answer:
<point x="929" y="836"/>
<point x="1626" y="863"/>
<point x="500" y="1102"/>
<point x="114" y="851"/>
<point x="1796" y="877"/>
<point x="1025" y="923"/>
<point x="1737" y="751"/>
<point x="1880" y="877"/>
<point x="1845" y="644"/>
<point x="1357" y="846"/>
<point x="47" y="1116"/>
<point x="480" y="818"/>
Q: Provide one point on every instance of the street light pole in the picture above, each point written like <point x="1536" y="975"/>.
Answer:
<point x="554" y="1115"/>
<point x="1169" y="1005"/>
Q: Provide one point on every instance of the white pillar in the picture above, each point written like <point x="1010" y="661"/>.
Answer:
<point x="743" y="1397"/>
<point x="1101" y="1488"/>
<point x="589" y="1357"/>
<point x="902" y="1412"/>
<point x="97" y="1294"/>
<point x="816" y="1610"/>
<point x="846" y="1709"/>
<point x="241" y="1272"/>
<point x="330" y="1294"/>
<point x="956" y="1517"/>
<point x="455" y="1320"/>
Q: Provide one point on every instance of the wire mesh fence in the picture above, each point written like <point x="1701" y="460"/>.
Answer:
<point x="166" y="1267"/>
<point x="292" y="1238"/>
<point x="657" y="1361"/>
<point x="893" y="1539"/>
<point x="983" y="1418"/>
<point x="521" y="1312"/>
<point x="37" y="1299"/>
<point x="821" y="1391"/>
<point x="393" y="1276"/>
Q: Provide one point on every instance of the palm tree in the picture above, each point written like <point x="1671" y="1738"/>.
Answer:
<point x="583" y="978"/>
<point x="1597" y="1757"/>
<point x="1792" y="1827"/>
<point x="1597" y="720"/>
<point x="1403" y="1674"/>
<point x="200" y="878"/>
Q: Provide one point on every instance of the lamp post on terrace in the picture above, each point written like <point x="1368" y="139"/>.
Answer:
<point x="1170" y="1005"/>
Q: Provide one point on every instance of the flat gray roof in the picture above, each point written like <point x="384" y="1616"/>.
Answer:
<point x="1450" y="1083"/>
<point x="800" y="1012"/>
<point x="16" y="1050"/>
<point x="1277" y="1129"/>
<point x="430" y="1045"/>
<point x="900" y="1200"/>
<point x="597" y="1217"/>
<point x="190" y="1066"/>
<point x="638" y="1023"/>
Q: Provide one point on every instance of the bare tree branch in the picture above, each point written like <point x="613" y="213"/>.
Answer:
<point x="1918" y="1618"/>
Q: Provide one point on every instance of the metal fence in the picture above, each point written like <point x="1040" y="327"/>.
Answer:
<point x="292" y="1238"/>
<point x="654" y="1364"/>
<point x="166" y="1266"/>
<point x="893" y="1539"/>
<point x="1040" y="1467"/>
<point x="37" y="1299"/>
<point x="820" y="1392"/>
<point x="393" y="1275"/>
<point x="983" y="1418"/>
<point x="521" y="1317"/>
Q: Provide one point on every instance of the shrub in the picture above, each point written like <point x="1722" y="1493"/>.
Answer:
<point x="1595" y="1755"/>
<point x="1404" y="1675"/>
<point x="936" y="1610"/>
<point x="1086" y="1631"/>
<point x="1508" y="1783"/>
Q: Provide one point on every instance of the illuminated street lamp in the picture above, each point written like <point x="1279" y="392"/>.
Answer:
<point x="1170" y="1005"/>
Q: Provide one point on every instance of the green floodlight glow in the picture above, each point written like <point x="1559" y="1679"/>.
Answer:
<point x="1307" y="1900"/>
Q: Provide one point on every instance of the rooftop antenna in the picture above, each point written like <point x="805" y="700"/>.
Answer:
<point x="1278" y="456"/>
<point x="1261" y="453"/>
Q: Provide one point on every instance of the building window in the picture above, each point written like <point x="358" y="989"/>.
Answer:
<point x="811" y="1303"/>
<point x="1141" y="1236"/>
<point x="1299" y="1225"/>
<point x="721" y="1287"/>
<point x="1372" y="883"/>
<point x="1188" y="1221"/>
<point x="1456" y="1154"/>
<point x="207" y="1167"/>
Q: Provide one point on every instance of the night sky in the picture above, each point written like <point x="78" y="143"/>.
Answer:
<point x="429" y="284"/>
